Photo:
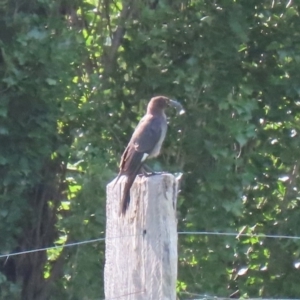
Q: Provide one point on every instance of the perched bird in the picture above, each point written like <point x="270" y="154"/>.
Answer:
<point x="145" y="143"/>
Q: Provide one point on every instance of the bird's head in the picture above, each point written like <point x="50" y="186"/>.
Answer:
<point x="159" y="103"/>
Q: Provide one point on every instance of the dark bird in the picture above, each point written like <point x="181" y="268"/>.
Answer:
<point x="145" y="143"/>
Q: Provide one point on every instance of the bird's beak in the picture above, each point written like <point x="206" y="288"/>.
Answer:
<point x="177" y="106"/>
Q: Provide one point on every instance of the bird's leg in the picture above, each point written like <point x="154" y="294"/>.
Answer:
<point x="143" y="171"/>
<point x="140" y="172"/>
<point x="147" y="169"/>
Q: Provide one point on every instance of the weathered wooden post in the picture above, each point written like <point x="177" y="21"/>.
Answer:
<point x="141" y="247"/>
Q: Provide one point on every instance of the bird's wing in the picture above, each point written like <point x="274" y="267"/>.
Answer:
<point x="143" y="141"/>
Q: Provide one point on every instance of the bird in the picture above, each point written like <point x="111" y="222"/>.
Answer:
<point x="145" y="143"/>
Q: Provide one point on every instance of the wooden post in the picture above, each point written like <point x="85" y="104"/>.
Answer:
<point x="141" y="247"/>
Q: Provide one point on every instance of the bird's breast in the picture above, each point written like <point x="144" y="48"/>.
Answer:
<point x="157" y="147"/>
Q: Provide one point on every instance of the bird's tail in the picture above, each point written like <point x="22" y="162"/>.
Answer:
<point x="126" y="193"/>
<point x="117" y="179"/>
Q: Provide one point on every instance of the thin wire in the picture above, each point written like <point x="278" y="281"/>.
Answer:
<point x="204" y="296"/>
<point x="236" y="234"/>
<point x="239" y="234"/>
<point x="224" y="298"/>
<point x="62" y="246"/>
<point x="133" y="293"/>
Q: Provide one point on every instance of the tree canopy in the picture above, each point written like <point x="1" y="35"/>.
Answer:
<point x="75" y="78"/>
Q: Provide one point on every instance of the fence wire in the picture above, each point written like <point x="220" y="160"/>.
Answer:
<point x="235" y="234"/>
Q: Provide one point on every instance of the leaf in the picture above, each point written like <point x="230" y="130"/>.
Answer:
<point x="37" y="34"/>
<point x="3" y="130"/>
<point x="3" y="111"/>
<point x="3" y="213"/>
<point x="242" y="271"/>
<point x="3" y="160"/>
<point x="207" y="19"/>
<point x="10" y="81"/>
<point x="51" y="81"/>
<point x="242" y="139"/>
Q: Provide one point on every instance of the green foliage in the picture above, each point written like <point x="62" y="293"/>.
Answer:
<point x="75" y="77"/>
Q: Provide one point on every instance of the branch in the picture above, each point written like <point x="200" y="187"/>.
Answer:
<point x="117" y="36"/>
